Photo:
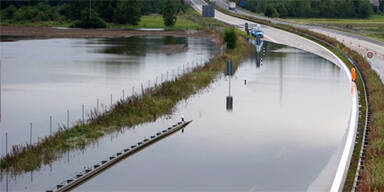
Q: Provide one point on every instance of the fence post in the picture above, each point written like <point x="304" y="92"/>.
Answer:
<point x="161" y="77"/>
<point x="6" y="143"/>
<point x="67" y="118"/>
<point x="82" y="112"/>
<point x="50" y="125"/>
<point x="30" y="135"/>
<point x="123" y="95"/>
<point x="142" y="89"/>
<point x="97" y="107"/>
<point x="111" y="100"/>
<point x="133" y="90"/>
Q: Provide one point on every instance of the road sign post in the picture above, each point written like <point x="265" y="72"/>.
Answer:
<point x="370" y="55"/>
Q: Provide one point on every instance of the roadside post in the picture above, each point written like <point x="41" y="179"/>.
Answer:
<point x="246" y="28"/>
<point x="229" y="103"/>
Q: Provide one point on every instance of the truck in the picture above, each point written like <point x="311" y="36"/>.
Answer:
<point x="257" y="31"/>
<point x="231" y="5"/>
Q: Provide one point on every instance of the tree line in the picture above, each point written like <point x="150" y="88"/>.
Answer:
<point x="89" y="13"/>
<point x="313" y="8"/>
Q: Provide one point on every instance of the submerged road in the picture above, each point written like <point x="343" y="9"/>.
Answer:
<point x="293" y="40"/>
<point x="361" y="44"/>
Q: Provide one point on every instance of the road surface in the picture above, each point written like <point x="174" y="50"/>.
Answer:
<point x="361" y="44"/>
<point x="293" y="40"/>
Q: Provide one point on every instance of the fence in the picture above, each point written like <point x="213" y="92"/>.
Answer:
<point x="100" y="108"/>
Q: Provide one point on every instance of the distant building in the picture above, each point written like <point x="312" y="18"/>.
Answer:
<point x="375" y="2"/>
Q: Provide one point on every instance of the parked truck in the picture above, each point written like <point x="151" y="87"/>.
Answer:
<point x="231" y="5"/>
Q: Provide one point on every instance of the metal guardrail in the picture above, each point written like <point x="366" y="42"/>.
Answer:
<point x="104" y="164"/>
<point x="367" y="112"/>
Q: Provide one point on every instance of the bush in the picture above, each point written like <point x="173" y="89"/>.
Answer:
<point x="94" y="22"/>
<point x="270" y="11"/>
<point x="89" y="22"/>
<point x="230" y="38"/>
<point x="127" y="12"/>
<point x="8" y="12"/>
<point x="169" y="14"/>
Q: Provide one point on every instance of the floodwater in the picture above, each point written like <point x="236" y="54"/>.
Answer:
<point x="289" y="116"/>
<point x="43" y="78"/>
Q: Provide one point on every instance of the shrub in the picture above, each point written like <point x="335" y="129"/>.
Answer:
<point x="89" y="22"/>
<point x="169" y="14"/>
<point x="8" y="12"/>
<point x="230" y="38"/>
<point x="270" y="11"/>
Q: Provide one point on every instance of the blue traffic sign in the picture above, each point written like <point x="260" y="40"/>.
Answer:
<point x="229" y="68"/>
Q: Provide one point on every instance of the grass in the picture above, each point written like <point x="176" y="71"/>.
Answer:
<point x="373" y="171"/>
<point x="154" y="103"/>
<point x="147" y="21"/>
<point x="37" y="23"/>
<point x="372" y="27"/>
<point x="156" y="21"/>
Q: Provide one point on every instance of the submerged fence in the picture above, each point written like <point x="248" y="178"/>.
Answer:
<point x="100" y="108"/>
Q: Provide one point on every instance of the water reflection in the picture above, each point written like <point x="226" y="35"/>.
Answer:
<point x="48" y="77"/>
<point x="261" y="143"/>
<point x="255" y="147"/>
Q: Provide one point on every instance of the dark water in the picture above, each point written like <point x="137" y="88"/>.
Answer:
<point x="43" y="78"/>
<point x="284" y="132"/>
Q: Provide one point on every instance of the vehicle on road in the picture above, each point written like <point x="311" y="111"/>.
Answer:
<point x="231" y="5"/>
<point x="257" y="31"/>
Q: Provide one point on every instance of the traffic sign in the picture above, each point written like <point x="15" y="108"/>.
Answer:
<point x="229" y="68"/>
<point x="370" y="55"/>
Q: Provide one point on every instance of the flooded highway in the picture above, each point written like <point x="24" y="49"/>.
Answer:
<point x="284" y="132"/>
<point x="289" y="115"/>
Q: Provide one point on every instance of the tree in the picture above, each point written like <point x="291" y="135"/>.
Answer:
<point x="88" y="21"/>
<point x="365" y="9"/>
<point x="8" y="12"/>
<point x="127" y="12"/>
<point x="230" y="38"/>
<point x="270" y="11"/>
<point x="381" y="5"/>
<point x="169" y="14"/>
<point x="283" y="12"/>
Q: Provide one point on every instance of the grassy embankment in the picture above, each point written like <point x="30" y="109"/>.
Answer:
<point x="372" y="27"/>
<point x="147" y="21"/>
<point x="155" y="102"/>
<point x="373" y="170"/>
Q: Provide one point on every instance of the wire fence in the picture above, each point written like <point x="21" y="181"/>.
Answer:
<point x="89" y="112"/>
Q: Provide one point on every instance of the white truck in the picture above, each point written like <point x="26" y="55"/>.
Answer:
<point x="231" y="5"/>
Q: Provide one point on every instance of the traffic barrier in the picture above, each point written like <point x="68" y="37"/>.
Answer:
<point x="104" y="164"/>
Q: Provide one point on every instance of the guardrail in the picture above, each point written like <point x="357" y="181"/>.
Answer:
<point x="367" y="112"/>
<point x="104" y="164"/>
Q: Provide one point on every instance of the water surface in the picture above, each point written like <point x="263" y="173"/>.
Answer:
<point x="43" y="78"/>
<point x="284" y="132"/>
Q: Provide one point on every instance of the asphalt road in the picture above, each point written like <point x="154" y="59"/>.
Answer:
<point x="273" y="34"/>
<point x="361" y="44"/>
<point x="290" y="39"/>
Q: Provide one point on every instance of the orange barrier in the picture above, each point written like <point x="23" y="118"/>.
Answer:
<point x="353" y="74"/>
